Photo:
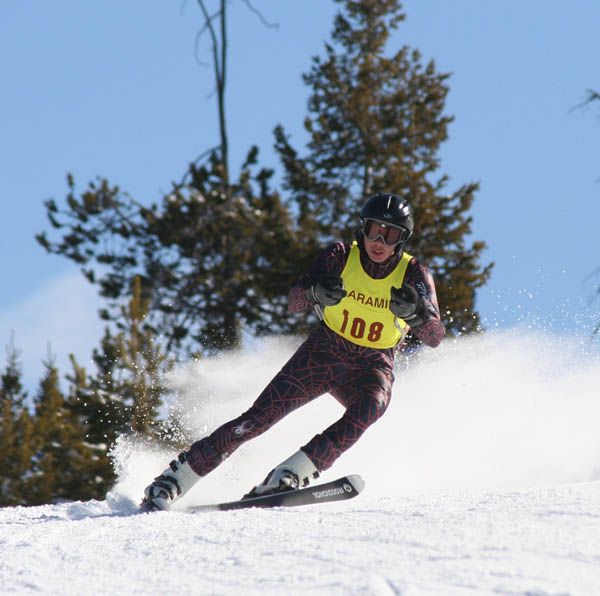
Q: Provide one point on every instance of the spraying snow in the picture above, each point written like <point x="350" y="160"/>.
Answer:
<point x="502" y="410"/>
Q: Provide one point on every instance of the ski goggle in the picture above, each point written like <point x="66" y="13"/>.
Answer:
<point x="391" y="235"/>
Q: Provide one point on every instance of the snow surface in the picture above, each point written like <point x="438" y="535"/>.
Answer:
<point x="483" y="477"/>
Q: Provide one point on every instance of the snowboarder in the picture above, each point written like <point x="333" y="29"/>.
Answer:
<point x="368" y="294"/>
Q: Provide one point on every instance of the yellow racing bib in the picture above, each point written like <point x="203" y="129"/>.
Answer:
<point x="364" y="316"/>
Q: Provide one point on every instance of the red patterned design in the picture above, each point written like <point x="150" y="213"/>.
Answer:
<point x="360" y="378"/>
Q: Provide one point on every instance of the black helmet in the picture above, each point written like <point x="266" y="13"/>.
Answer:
<point x="389" y="209"/>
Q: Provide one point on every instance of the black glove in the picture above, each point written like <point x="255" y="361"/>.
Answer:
<point x="326" y="291"/>
<point x="406" y="304"/>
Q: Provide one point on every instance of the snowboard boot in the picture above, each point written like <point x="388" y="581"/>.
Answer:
<point x="295" y="472"/>
<point x="174" y="482"/>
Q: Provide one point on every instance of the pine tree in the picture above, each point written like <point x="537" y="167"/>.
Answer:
<point x="140" y="365"/>
<point x="125" y="393"/>
<point x="15" y="437"/>
<point x="230" y="267"/>
<point x="376" y="122"/>
<point x="217" y="255"/>
<point x="91" y="414"/>
<point x="24" y="453"/>
<point x="213" y="258"/>
<point x="62" y="455"/>
<point x="8" y="494"/>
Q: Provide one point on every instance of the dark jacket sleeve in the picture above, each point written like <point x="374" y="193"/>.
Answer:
<point x="432" y="330"/>
<point x="330" y="261"/>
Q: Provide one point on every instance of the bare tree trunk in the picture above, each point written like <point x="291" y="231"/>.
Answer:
<point x="219" y="53"/>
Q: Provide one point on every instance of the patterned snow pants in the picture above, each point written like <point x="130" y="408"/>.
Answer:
<point x="359" y="378"/>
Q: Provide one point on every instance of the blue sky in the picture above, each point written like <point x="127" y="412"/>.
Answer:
<point x="108" y="88"/>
